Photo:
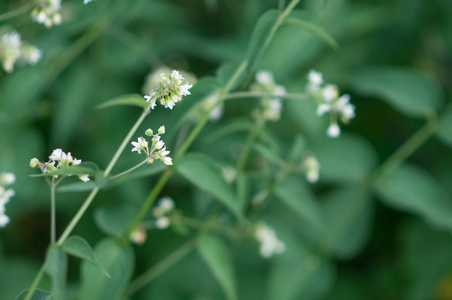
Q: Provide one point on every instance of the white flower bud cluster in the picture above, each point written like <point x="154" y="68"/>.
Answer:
<point x="57" y="160"/>
<point x="47" y="12"/>
<point x="138" y="236"/>
<point x="311" y="167"/>
<point x="269" y="242"/>
<point x="217" y="111"/>
<point x="13" y="50"/>
<point x="270" y="106"/>
<point x="157" y="150"/>
<point x="162" y="211"/>
<point x="87" y="1"/>
<point x="170" y="90"/>
<point x="5" y="195"/>
<point x="328" y="100"/>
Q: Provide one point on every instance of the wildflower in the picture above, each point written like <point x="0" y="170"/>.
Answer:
<point x="229" y="173"/>
<point x="271" y="107"/>
<point x="7" y="178"/>
<point x="58" y="159"/>
<point x="311" y="168"/>
<point x="328" y="101"/>
<point x="47" y="12"/>
<point x="210" y="104"/>
<point x="30" y="54"/>
<point x="169" y="91"/>
<point x="10" y="45"/>
<point x="269" y="242"/>
<point x="165" y="206"/>
<point x="4" y="220"/>
<point x="157" y="149"/>
<point x="87" y="1"/>
<point x="138" y="236"/>
<point x="162" y="223"/>
<point x="5" y="195"/>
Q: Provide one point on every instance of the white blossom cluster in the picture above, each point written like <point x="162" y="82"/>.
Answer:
<point x="57" y="160"/>
<point x="311" y="167"/>
<point x="5" y="195"/>
<point x="169" y="91"/>
<point x="157" y="149"/>
<point x="162" y="211"/>
<point x="215" y="112"/>
<point x="87" y="1"/>
<point x="269" y="242"/>
<point x="328" y="100"/>
<point x="13" y="51"/>
<point x="270" y="106"/>
<point x="138" y="235"/>
<point x="47" y="12"/>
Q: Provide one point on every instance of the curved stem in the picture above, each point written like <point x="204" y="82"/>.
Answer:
<point x="129" y="170"/>
<point x="14" y="13"/>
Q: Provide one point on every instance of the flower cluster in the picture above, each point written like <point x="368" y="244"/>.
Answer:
<point x="13" y="50"/>
<point x="328" y="100"/>
<point x="47" y="12"/>
<point x="157" y="150"/>
<point x="87" y="1"/>
<point x="57" y="160"/>
<point x="269" y="243"/>
<point x="170" y="90"/>
<point x="311" y="168"/>
<point x="162" y="211"/>
<point x="5" y="195"/>
<point x="270" y="106"/>
<point x="209" y="105"/>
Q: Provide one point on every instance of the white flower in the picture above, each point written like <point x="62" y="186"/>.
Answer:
<point x="279" y="90"/>
<point x="323" y="108"/>
<point x="271" y="109"/>
<point x="229" y="173"/>
<point x="311" y="167"/>
<point x="161" y="130"/>
<point x="87" y="1"/>
<point x="57" y="154"/>
<point x="149" y="132"/>
<point x="270" y="106"/>
<point x="139" y="146"/>
<point x="330" y="93"/>
<point x="344" y="108"/>
<point x="84" y="178"/>
<point x="264" y="78"/>
<point x="30" y="54"/>
<point x="138" y="236"/>
<point x="10" y="50"/>
<point x="34" y="162"/>
<point x="47" y="12"/>
<point x="166" y="204"/>
<point x="333" y="130"/>
<point x="162" y="223"/>
<point x="7" y="178"/>
<point x="269" y="242"/>
<point x="315" y="78"/>
<point x="4" y="220"/>
<point x="167" y="161"/>
<point x="5" y="195"/>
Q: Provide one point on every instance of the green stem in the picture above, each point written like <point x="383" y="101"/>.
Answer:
<point x="243" y="158"/>
<point x="14" y="13"/>
<point x="238" y="95"/>
<point x="129" y="170"/>
<point x="35" y="282"/>
<point x="161" y="267"/>
<point x="52" y="213"/>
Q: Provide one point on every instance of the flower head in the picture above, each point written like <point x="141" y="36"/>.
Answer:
<point x="47" y="12"/>
<point x="138" y="236"/>
<point x="5" y="195"/>
<point x="271" y="107"/>
<point x="157" y="149"/>
<point x="10" y="50"/>
<point x="269" y="242"/>
<point x="311" y="168"/>
<point x="58" y="159"/>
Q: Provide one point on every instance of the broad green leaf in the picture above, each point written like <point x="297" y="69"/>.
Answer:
<point x="295" y="194"/>
<point x="118" y="260"/>
<point x="77" y="187"/>
<point x="78" y="247"/>
<point x="82" y="169"/>
<point x="114" y="219"/>
<point x="269" y="154"/>
<point x="306" y="21"/>
<point x="348" y="158"/>
<point x="348" y="214"/>
<point x="127" y="100"/>
<point x="406" y="90"/>
<point x="201" y="90"/>
<point x="445" y="126"/>
<point x="56" y="268"/>
<point x="37" y="295"/>
<point x="411" y="189"/>
<point x="216" y="255"/>
<point x="230" y="128"/>
<point x="260" y="37"/>
<point x="205" y="174"/>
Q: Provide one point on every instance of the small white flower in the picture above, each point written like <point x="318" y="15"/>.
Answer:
<point x="264" y="78"/>
<point x="330" y="93"/>
<point x="7" y="178"/>
<point x="166" y="204"/>
<point x="279" y="90"/>
<point x="311" y="167"/>
<point x="271" y="109"/>
<point x="5" y="195"/>
<point x="161" y="130"/>
<point x="10" y="50"/>
<point x="47" y="13"/>
<point x="315" y="78"/>
<point x="162" y="223"/>
<point x="167" y="161"/>
<point x="57" y="155"/>
<point x="139" y="146"/>
<point x="87" y="1"/>
<point x="149" y="132"/>
<point x="269" y="242"/>
<point x="34" y="162"/>
<point x="333" y="130"/>
<point x="138" y="236"/>
<point x="323" y="108"/>
<point x="4" y="220"/>
<point x="84" y="178"/>
<point x="229" y="173"/>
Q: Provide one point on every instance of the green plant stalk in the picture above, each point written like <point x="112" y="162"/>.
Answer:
<point x="237" y="95"/>
<point x="35" y="282"/>
<point x="243" y="158"/>
<point x="128" y="170"/>
<point x="52" y="212"/>
<point x="14" y="13"/>
<point x="161" y="267"/>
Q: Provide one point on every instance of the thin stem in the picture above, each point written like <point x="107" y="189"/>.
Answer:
<point x="243" y="158"/>
<point x="129" y="170"/>
<point x="14" y="13"/>
<point x="52" y="212"/>
<point x="281" y="4"/>
<point x="239" y="95"/>
<point x="198" y="224"/>
<point x="161" y="267"/>
<point x="35" y="282"/>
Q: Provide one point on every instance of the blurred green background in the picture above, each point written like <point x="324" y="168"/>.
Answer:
<point x="392" y="249"/>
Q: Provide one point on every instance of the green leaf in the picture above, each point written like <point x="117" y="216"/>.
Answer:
<point x="259" y="37"/>
<point x="82" y="169"/>
<point x="37" y="295"/>
<point x="411" y="189"/>
<point x="349" y="158"/>
<point x="78" y="247"/>
<point x="270" y="155"/>
<point x="216" y="255"/>
<point x="118" y="260"/>
<point x="77" y="187"/>
<point x="445" y="126"/>
<point x="127" y="100"/>
<point x="56" y="268"/>
<point x="348" y="213"/>
<point x="306" y="21"/>
<point x="204" y="173"/>
<point x="115" y="218"/>
<point x="225" y="73"/>
<point x="295" y="194"/>
<point x="406" y="90"/>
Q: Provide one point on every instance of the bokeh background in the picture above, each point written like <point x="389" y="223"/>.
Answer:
<point x="389" y="251"/>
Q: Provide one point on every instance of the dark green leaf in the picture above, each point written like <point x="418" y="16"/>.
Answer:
<point x="217" y="257"/>
<point x="127" y="100"/>
<point x="80" y="248"/>
<point x="115" y="218"/>
<point x="204" y="173"/>
<point x="56" y="268"/>
<point x="445" y="126"/>
<point x="406" y="90"/>
<point x="37" y="295"/>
